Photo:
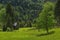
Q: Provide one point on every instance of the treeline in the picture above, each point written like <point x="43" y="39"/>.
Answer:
<point x="27" y="7"/>
<point x="35" y="14"/>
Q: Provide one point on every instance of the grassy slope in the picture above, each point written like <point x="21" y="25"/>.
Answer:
<point x="25" y="34"/>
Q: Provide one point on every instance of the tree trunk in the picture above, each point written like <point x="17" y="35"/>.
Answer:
<point x="47" y="30"/>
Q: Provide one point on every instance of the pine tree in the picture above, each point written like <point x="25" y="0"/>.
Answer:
<point x="9" y="16"/>
<point x="57" y="12"/>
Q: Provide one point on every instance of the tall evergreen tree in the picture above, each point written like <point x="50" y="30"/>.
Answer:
<point x="57" y="12"/>
<point x="9" y="15"/>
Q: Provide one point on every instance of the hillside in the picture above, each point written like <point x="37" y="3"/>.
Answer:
<point x="28" y="10"/>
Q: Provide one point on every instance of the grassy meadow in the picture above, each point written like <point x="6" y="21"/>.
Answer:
<point x="29" y="34"/>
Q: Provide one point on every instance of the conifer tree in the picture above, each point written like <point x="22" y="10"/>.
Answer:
<point x="9" y="16"/>
<point x="57" y="12"/>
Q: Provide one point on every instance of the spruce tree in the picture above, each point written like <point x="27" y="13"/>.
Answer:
<point x="57" y="12"/>
<point x="9" y="16"/>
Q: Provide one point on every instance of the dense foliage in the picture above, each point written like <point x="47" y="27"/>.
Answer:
<point x="57" y="12"/>
<point x="25" y="12"/>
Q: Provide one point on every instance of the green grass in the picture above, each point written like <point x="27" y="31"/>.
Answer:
<point x="26" y="34"/>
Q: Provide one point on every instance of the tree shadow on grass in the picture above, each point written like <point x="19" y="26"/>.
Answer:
<point x="44" y="34"/>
